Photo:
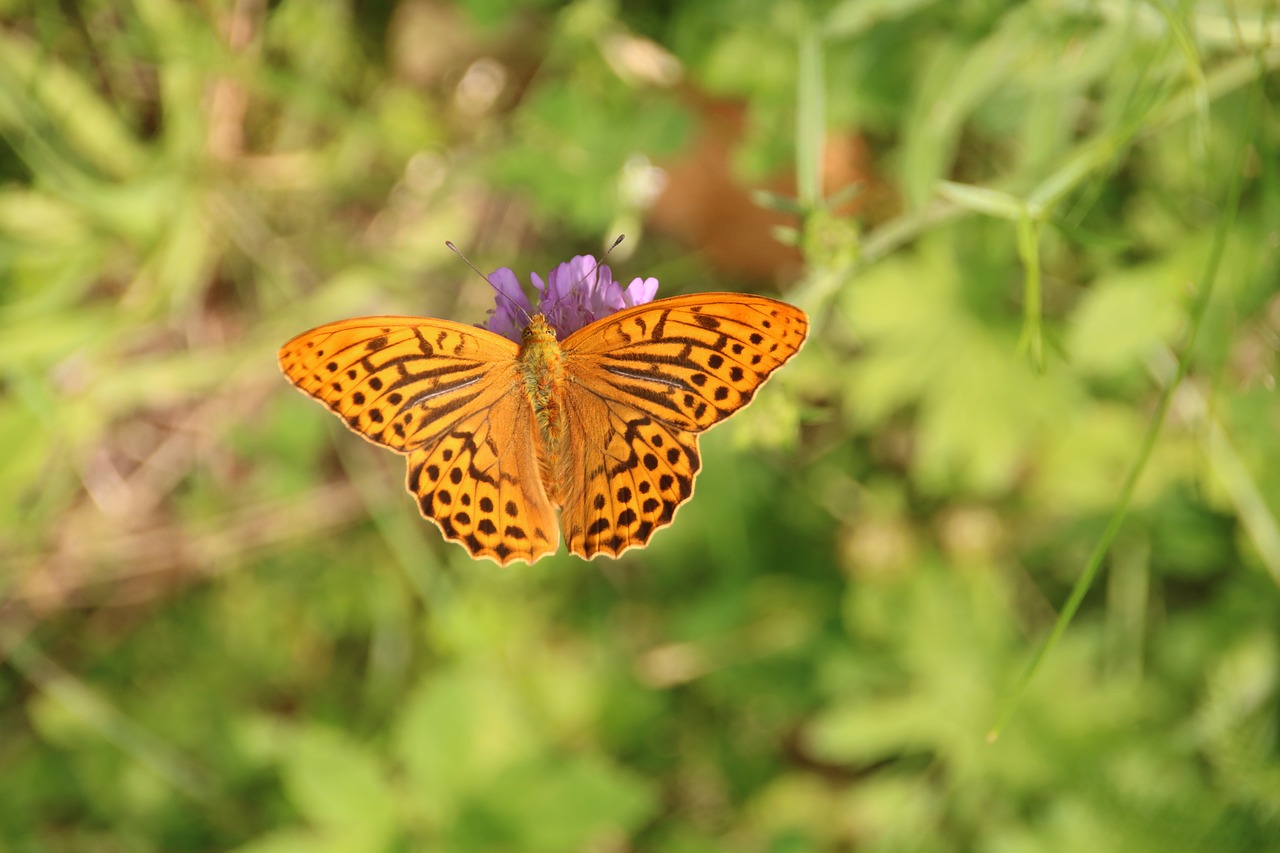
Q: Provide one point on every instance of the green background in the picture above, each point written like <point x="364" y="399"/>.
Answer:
<point x="224" y="626"/>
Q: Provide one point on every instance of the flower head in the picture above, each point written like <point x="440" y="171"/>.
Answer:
<point x="511" y="308"/>
<point x="574" y="294"/>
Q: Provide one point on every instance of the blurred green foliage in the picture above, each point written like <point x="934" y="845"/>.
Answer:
<point x="223" y="625"/>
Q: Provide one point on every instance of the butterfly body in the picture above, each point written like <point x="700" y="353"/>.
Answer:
<point x="542" y="370"/>
<point x="595" y="436"/>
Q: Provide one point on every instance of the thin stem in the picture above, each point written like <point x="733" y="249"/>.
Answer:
<point x="1198" y="310"/>
<point x="810" y="118"/>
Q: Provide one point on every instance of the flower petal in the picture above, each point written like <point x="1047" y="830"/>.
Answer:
<point x="511" y="308"/>
<point x="640" y="291"/>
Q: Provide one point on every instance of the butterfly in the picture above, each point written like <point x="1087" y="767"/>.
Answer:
<point x="602" y="426"/>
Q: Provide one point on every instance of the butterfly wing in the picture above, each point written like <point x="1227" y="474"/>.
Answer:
<point x="642" y="384"/>
<point x="446" y="395"/>
<point x="479" y="482"/>
<point x="628" y="472"/>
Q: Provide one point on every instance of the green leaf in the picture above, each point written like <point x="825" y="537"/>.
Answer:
<point x="340" y="786"/>
<point x="1125" y="315"/>
<point x="932" y="343"/>
<point x="34" y="84"/>
<point x="297" y="841"/>
<point x="567" y="803"/>
<point x="457" y="730"/>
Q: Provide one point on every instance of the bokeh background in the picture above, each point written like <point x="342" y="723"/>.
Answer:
<point x="1040" y="246"/>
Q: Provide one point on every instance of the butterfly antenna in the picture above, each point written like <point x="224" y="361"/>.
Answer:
<point x="594" y="270"/>
<point x="467" y="261"/>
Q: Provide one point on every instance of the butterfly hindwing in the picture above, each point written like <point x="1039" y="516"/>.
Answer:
<point x="478" y="481"/>
<point x="628" y="473"/>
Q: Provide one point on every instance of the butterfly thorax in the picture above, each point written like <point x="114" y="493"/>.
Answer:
<point x="541" y="363"/>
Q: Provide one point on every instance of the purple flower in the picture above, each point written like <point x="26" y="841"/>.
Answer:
<point x="511" y="309"/>
<point x="575" y="293"/>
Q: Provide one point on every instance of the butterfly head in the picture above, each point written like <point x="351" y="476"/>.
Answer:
<point x="539" y="331"/>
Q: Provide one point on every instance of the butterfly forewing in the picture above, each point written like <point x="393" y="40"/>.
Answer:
<point x="690" y="361"/>
<point x="394" y="380"/>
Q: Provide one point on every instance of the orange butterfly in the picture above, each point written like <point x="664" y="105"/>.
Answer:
<point x="602" y="426"/>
